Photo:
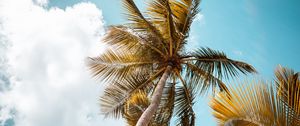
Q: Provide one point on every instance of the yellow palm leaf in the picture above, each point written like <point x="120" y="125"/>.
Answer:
<point x="259" y="103"/>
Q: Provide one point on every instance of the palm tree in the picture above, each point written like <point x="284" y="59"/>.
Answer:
<point x="148" y="52"/>
<point x="261" y="104"/>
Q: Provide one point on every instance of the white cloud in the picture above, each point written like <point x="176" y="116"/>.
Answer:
<point x="41" y="2"/>
<point x="51" y="85"/>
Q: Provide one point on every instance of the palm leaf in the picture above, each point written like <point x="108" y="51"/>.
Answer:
<point x="183" y="108"/>
<point x="113" y="65"/>
<point x="184" y="101"/>
<point x="118" y="92"/>
<point x="139" y="101"/>
<point x="135" y="106"/>
<point x="165" y="111"/>
<point x="184" y="12"/>
<point x="141" y="25"/>
<point x="122" y="37"/>
<point x="288" y="82"/>
<point x="203" y="80"/>
<point x="161" y="17"/>
<point x="138" y="21"/>
<point x="253" y="104"/>
<point x="217" y="63"/>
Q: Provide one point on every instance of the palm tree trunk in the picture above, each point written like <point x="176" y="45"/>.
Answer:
<point x="155" y="100"/>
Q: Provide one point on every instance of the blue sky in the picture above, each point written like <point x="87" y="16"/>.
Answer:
<point x="263" y="33"/>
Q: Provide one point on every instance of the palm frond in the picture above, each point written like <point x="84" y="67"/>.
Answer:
<point x="165" y="111"/>
<point x="184" y="101"/>
<point x="139" y="101"/>
<point x="161" y="17"/>
<point x="118" y="92"/>
<point x="171" y="28"/>
<point x="203" y="80"/>
<point x="253" y="104"/>
<point x="288" y="86"/>
<point x="143" y="26"/>
<point x="122" y="37"/>
<point x="217" y="63"/>
<point x="135" y="106"/>
<point x="113" y="65"/>
<point x="184" y="12"/>
<point x="138" y="21"/>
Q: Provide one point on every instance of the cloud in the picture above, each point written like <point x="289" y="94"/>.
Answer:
<point x="46" y="48"/>
<point x="41" y="2"/>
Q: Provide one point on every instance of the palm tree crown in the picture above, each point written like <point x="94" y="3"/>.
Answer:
<point x="149" y="52"/>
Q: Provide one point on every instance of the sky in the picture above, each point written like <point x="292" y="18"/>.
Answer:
<point x="43" y="45"/>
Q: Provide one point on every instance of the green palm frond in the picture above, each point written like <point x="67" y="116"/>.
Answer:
<point x="217" y="63"/>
